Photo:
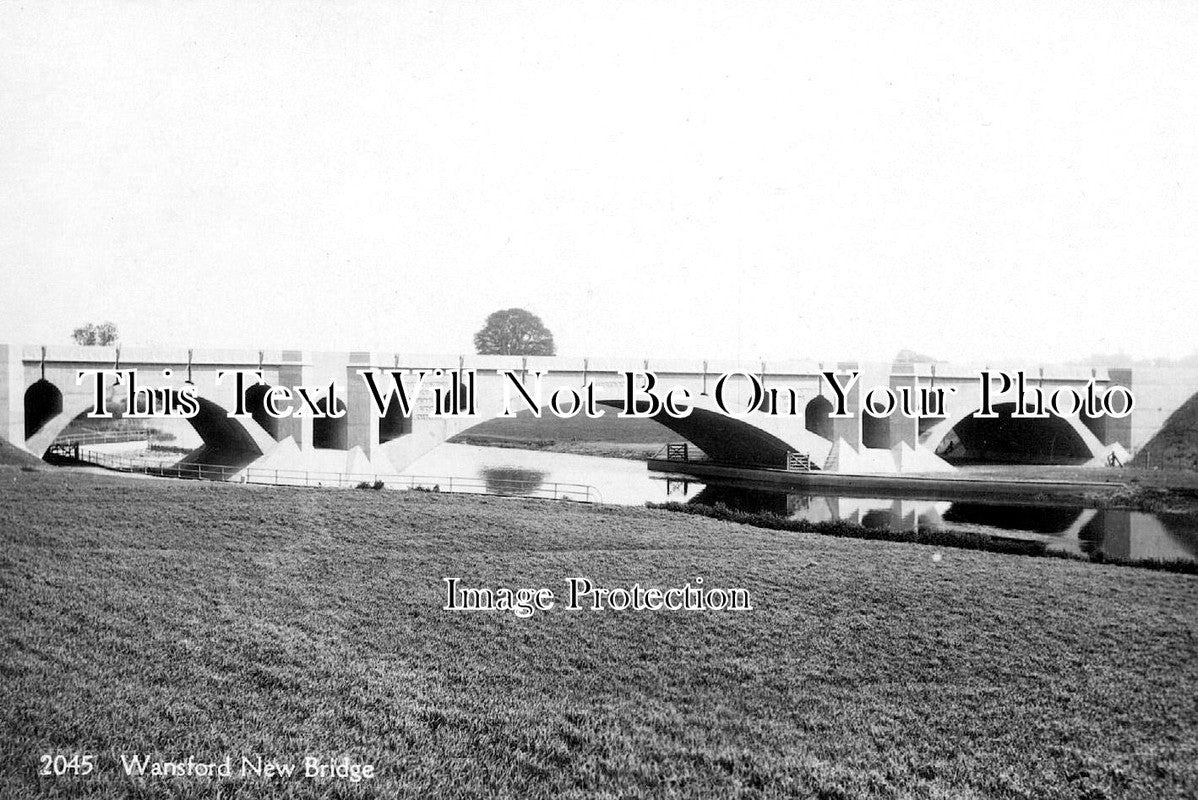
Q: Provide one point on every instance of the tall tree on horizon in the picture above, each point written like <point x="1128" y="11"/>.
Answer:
<point x="104" y="334"/>
<point x="514" y="332"/>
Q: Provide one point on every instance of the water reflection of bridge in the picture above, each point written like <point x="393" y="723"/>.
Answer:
<point x="1115" y="533"/>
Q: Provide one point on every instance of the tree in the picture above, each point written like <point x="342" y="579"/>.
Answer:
<point x="104" y="334"/>
<point x="514" y="332"/>
<point x="912" y="357"/>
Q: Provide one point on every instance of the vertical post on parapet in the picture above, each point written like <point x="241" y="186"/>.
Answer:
<point x="361" y="418"/>
<point x="294" y="371"/>
<point x="849" y="428"/>
<point x="903" y="429"/>
<point x="766" y="404"/>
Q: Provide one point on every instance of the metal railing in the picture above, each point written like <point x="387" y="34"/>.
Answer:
<point x="798" y="462"/>
<point x="680" y="451"/>
<point x="105" y="437"/>
<point x="509" y="487"/>
<point x="685" y="452"/>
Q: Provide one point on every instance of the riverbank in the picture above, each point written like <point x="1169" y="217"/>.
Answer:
<point x="1172" y="491"/>
<point x="181" y="618"/>
<point x="1131" y="489"/>
<point x="960" y="538"/>
<point x="632" y="451"/>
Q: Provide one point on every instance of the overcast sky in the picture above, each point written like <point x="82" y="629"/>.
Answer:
<point x="745" y="180"/>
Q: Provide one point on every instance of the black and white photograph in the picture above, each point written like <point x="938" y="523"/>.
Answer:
<point x="599" y="399"/>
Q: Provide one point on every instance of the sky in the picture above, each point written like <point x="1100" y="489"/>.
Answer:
<point x="726" y="180"/>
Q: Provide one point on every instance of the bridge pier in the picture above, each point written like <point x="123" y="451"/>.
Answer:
<point x="903" y="429"/>
<point x="1108" y="430"/>
<point x="293" y="372"/>
<point x="362" y="423"/>
<point x="849" y="428"/>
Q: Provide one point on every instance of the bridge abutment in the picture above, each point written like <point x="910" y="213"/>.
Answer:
<point x="12" y="395"/>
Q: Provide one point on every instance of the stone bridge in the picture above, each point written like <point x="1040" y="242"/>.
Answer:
<point x="40" y="395"/>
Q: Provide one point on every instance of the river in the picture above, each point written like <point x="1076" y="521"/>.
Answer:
<point x="1116" y="533"/>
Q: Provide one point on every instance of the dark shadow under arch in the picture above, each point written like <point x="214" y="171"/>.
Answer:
<point x="875" y="431"/>
<point x="255" y="403"/>
<point x="393" y="424"/>
<point x="330" y="433"/>
<point x="724" y="439"/>
<point x="1012" y="440"/>
<point x="43" y="402"/>
<point x="817" y="416"/>
<point x="226" y="442"/>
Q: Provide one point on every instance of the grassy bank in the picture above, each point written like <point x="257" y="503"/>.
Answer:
<point x="1131" y="487"/>
<point x="1175" y="445"/>
<point x="608" y="428"/>
<point x="210" y="619"/>
<point x="607" y="436"/>
<point x="12" y="456"/>
<point x="633" y="451"/>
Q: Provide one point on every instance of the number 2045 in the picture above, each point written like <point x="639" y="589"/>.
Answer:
<point x="60" y="765"/>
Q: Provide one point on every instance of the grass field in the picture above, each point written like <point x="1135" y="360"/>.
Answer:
<point x="185" y="618"/>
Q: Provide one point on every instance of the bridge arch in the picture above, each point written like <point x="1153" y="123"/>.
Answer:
<point x="728" y="440"/>
<point x="226" y="439"/>
<point x="222" y="433"/>
<point x="743" y="441"/>
<point x="755" y="440"/>
<point x="817" y="416"/>
<point x="964" y="438"/>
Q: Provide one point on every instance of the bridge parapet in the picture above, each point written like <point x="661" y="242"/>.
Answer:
<point x="129" y="357"/>
<point x="1056" y="373"/>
